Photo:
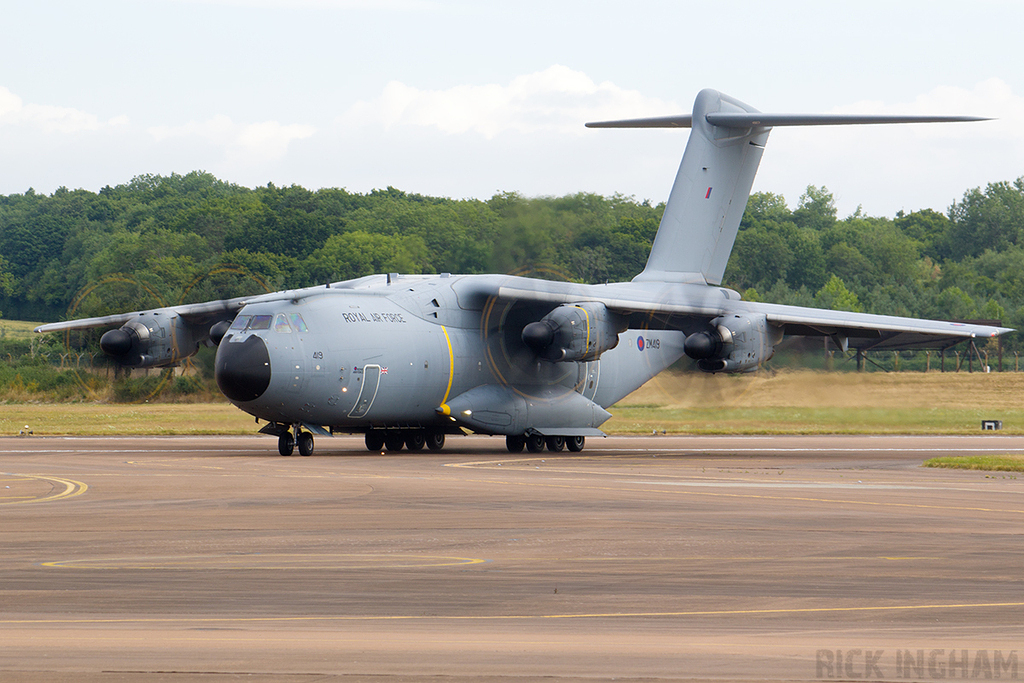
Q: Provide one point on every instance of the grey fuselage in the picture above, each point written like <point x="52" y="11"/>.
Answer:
<point x="392" y="351"/>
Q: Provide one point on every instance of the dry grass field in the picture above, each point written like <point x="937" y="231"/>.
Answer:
<point x="784" y="403"/>
<point x="17" y="329"/>
<point x="114" y="419"/>
<point x="806" y="402"/>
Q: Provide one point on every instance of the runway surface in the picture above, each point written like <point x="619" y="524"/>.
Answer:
<point x="719" y="558"/>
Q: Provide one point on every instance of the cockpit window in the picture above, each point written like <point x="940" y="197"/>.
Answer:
<point x="260" y="322"/>
<point x="297" y="322"/>
<point x="281" y="324"/>
<point x="240" y="321"/>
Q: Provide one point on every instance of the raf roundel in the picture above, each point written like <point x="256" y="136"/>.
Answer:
<point x="640" y="343"/>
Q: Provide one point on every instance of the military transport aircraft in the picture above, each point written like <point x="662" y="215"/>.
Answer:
<point x="409" y="359"/>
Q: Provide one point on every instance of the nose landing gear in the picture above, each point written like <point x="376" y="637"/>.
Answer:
<point x="286" y="442"/>
<point x="305" y="444"/>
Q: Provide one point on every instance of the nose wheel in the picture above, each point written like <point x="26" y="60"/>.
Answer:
<point x="286" y="442"/>
<point x="305" y="443"/>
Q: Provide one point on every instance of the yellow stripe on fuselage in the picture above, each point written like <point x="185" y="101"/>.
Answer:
<point x="451" y="365"/>
<point x="586" y="349"/>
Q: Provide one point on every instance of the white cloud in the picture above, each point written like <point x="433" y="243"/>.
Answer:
<point x="271" y="138"/>
<point x="946" y="99"/>
<point x="45" y="117"/>
<point x="264" y="141"/>
<point x="557" y="99"/>
<point x="992" y="98"/>
<point x="9" y="102"/>
<point x="891" y="167"/>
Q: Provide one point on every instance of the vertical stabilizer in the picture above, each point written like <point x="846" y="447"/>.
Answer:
<point x="709" y="196"/>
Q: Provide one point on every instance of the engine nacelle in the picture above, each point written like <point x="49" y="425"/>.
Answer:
<point x="575" y="332"/>
<point x="734" y="343"/>
<point x="157" y="339"/>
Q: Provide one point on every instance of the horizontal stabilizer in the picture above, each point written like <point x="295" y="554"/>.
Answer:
<point x="746" y="120"/>
<point x="759" y="120"/>
<point x="683" y="121"/>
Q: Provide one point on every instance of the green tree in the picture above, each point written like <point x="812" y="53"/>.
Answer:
<point x="760" y="257"/>
<point x="835" y="296"/>
<point x="929" y="228"/>
<point x="816" y="210"/>
<point x="956" y="304"/>
<point x="6" y="281"/>
<point x="993" y="219"/>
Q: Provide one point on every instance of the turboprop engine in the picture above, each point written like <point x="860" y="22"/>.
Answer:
<point x="575" y="332"/>
<point x="152" y="340"/>
<point x="733" y="343"/>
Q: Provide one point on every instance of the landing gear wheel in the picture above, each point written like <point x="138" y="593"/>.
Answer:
<point x="555" y="443"/>
<point x="435" y="441"/>
<point x="305" y="444"/>
<point x="374" y="440"/>
<point x="415" y="441"/>
<point x="286" y="444"/>
<point x="393" y="441"/>
<point x="515" y="444"/>
<point x="575" y="443"/>
<point x="535" y="443"/>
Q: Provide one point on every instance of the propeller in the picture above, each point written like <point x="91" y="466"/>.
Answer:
<point x="516" y="338"/>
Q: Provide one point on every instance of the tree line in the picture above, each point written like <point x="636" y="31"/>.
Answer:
<point x="170" y="239"/>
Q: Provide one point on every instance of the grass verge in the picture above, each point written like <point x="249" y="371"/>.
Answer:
<point x="676" y="403"/>
<point x="995" y="463"/>
<point x="103" y="419"/>
<point x="17" y="329"/>
<point x="807" y="402"/>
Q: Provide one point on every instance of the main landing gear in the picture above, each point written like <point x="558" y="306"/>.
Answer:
<point x="286" y="442"/>
<point x="535" y="443"/>
<point x="392" y="440"/>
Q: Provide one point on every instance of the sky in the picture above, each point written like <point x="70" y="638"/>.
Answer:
<point x="470" y="98"/>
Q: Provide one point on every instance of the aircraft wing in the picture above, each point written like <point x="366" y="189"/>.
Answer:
<point x="869" y="332"/>
<point x="670" y="303"/>
<point x="192" y="313"/>
<point x="667" y="299"/>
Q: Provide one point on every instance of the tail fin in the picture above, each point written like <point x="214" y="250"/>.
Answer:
<point x="710" y="192"/>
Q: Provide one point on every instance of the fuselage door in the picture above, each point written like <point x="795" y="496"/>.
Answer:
<point x="367" y="390"/>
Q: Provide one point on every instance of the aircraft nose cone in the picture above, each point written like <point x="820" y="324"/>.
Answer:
<point x="242" y="370"/>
